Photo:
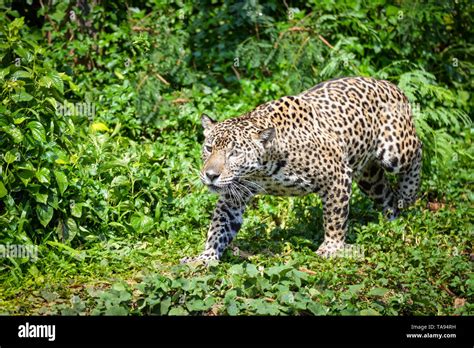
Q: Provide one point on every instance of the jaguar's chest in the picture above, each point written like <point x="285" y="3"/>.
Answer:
<point x="286" y="183"/>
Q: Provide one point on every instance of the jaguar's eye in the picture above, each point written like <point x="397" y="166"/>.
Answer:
<point x="208" y="148"/>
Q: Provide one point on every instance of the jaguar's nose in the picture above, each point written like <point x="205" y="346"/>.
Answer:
<point x="212" y="176"/>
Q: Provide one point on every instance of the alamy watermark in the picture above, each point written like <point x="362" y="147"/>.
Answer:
<point x="394" y="108"/>
<point x="19" y="251"/>
<point x="81" y="109"/>
<point x="352" y="251"/>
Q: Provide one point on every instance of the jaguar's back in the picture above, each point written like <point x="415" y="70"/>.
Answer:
<point x="370" y="117"/>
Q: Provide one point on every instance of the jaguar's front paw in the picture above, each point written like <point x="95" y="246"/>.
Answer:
<point x="333" y="249"/>
<point x="205" y="258"/>
<point x="340" y="249"/>
<point x="391" y="213"/>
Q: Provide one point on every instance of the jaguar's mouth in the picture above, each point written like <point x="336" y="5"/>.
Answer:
<point x="215" y="188"/>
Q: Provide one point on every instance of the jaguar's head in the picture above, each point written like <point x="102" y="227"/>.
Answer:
<point x="232" y="151"/>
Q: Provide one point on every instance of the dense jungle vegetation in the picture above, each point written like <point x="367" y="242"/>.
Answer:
<point x="100" y="145"/>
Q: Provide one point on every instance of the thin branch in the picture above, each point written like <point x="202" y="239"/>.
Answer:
<point x="325" y="41"/>
<point x="180" y="101"/>
<point x="162" y="79"/>
<point x="236" y="72"/>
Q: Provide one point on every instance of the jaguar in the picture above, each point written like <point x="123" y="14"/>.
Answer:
<point x="351" y="129"/>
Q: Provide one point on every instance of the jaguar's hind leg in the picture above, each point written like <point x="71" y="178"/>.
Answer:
<point x="409" y="179"/>
<point x="406" y="164"/>
<point x="374" y="184"/>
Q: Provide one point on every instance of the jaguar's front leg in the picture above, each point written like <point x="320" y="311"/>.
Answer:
<point x="225" y="224"/>
<point x="335" y="214"/>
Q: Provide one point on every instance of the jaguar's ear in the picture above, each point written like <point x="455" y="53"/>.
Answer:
<point x="207" y="123"/>
<point x="266" y="136"/>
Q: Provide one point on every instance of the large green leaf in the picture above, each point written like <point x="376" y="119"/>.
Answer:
<point x="3" y="190"/>
<point x="369" y="311"/>
<point x="25" y="55"/>
<point x="165" y="305"/>
<point x="61" y="180"/>
<point x="45" y="81"/>
<point x="11" y="156"/>
<point x="22" y="74"/>
<point x="356" y="288"/>
<point x="76" y="209"/>
<point x="378" y="292"/>
<point x="72" y="229"/>
<point x="280" y="270"/>
<point x="37" y="131"/>
<point x="232" y="308"/>
<point x="14" y="133"/>
<point x="264" y="308"/>
<point x="43" y="175"/>
<point x="21" y="96"/>
<point x="4" y="73"/>
<point x="317" y="308"/>
<point x="40" y="197"/>
<point x="25" y="173"/>
<point x="236" y="269"/>
<point x="116" y="310"/>
<point x="178" y="311"/>
<point x="119" y="180"/>
<point x="44" y="213"/>
<point x="67" y="230"/>
<point x="199" y="304"/>
<point x="19" y="120"/>
<point x="141" y="222"/>
<point x="53" y="79"/>
<point x="252" y="270"/>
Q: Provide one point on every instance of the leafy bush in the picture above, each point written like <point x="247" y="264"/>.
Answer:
<point x="100" y="146"/>
<point x="36" y="141"/>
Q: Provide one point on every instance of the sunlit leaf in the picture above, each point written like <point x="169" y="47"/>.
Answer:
<point x="43" y="175"/>
<point x="37" y="130"/>
<point x="61" y="180"/>
<point x="44" y="213"/>
<point x="99" y="126"/>
<point x="14" y="133"/>
<point x="3" y="190"/>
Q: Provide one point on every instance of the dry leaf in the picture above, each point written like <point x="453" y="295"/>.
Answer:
<point x="459" y="302"/>
<point x="435" y="206"/>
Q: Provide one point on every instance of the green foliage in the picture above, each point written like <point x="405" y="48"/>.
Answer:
<point x="35" y="140"/>
<point x="100" y="149"/>
<point x="409" y="267"/>
<point x="440" y="114"/>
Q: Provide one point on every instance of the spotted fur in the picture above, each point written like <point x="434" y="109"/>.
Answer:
<point x="319" y="141"/>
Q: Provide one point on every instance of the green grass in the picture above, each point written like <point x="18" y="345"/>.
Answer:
<point x="418" y="264"/>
